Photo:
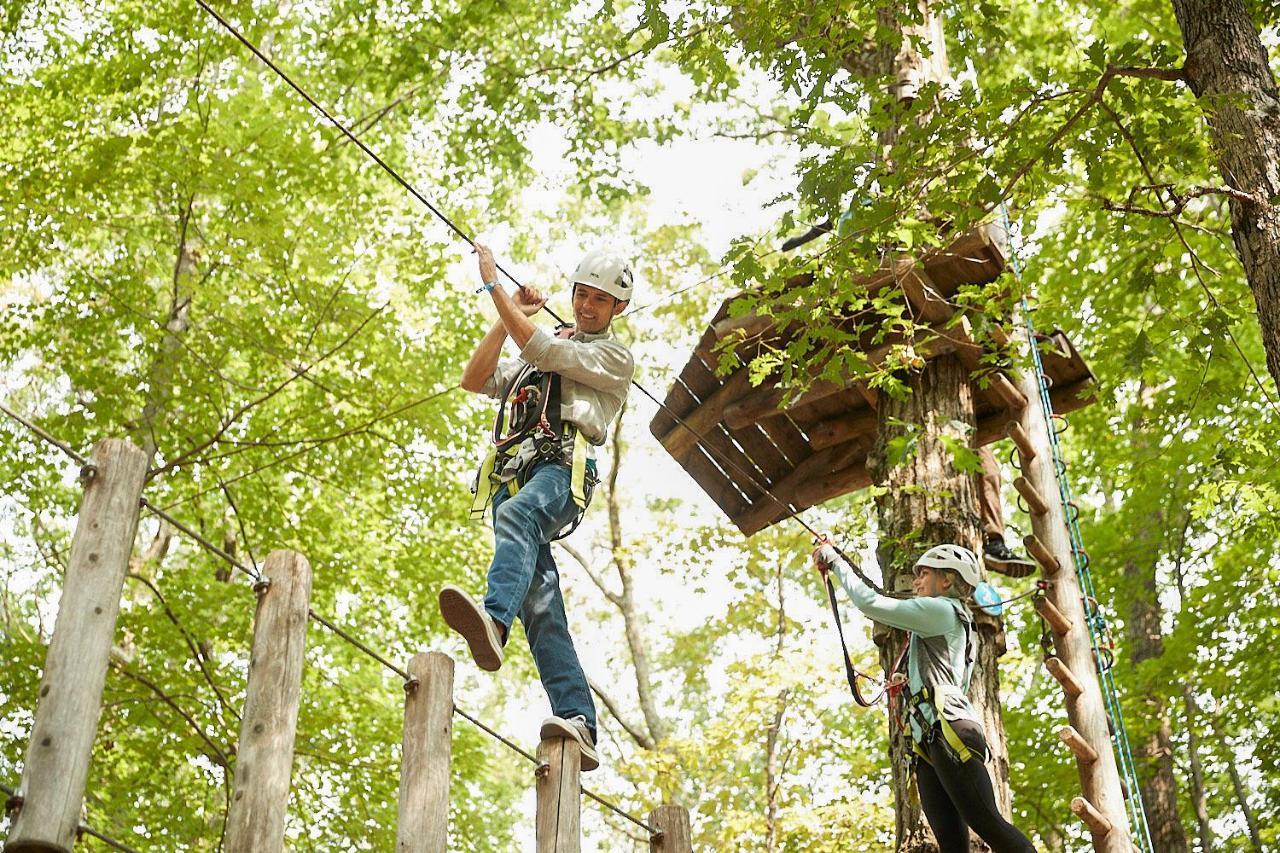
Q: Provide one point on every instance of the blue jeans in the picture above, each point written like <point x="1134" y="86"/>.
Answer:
<point x="524" y="582"/>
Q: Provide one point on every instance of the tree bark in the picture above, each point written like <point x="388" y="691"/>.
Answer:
<point x="1242" y="797"/>
<point x="1227" y="69"/>
<point x="1159" y="786"/>
<point x="928" y="501"/>
<point x="1197" y="772"/>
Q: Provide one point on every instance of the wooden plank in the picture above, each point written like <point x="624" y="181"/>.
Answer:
<point x="559" y="797"/>
<point x="850" y="478"/>
<point x="426" y="755"/>
<point x="924" y="297"/>
<point x="840" y="430"/>
<point x="718" y="485"/>
<point x="766" y="402"/>
<point x="264" y="758"/>
<point x="51" y="793"/>
<point x="704" y="418"/>
<point x="764" y="509"/>
<point x="674" y="834"/>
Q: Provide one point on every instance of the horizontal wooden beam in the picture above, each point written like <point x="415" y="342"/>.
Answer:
<point x="766" y="509"/>
<point x="683" y="437"/>
<point x="843" y="428"/>
<point x="851" y="478"/>
<point x="766" y="402"/>
<point x="1078" y="745"/>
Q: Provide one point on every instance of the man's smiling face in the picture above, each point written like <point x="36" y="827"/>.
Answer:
<point x="593" y="309"/>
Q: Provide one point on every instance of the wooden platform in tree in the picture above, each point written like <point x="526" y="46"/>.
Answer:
<point x="816" y="448"/>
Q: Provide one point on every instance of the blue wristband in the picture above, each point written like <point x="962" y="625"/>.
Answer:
<point x="488" y="286"/>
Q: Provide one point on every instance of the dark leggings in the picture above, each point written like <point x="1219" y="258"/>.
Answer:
<point x="956" y="796"/>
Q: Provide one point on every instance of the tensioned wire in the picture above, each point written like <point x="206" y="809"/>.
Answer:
<point x="790" y="511"/>
<point x="259" y="580"/>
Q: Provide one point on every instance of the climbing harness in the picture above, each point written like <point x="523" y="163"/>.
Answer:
<point x="935" y="696"/>
<point x="529" y="411"/>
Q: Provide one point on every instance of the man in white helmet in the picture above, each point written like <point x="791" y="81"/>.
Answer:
<point x="562" y="393"/>
<point x="950" y="748"/>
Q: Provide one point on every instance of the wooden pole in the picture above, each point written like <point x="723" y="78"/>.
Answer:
<point x="1070" y="684"/>
<point x="1097" y="822"/>
<point x="559" y="789"/>
<point x="1086" y="712"/>
<point x="51" y="793"/>
<point x="1048" y="563"/>
<point x="423" y="825"/>
<point x="264" y="758"/>
<point x="1021" y="440"/>
<point x="674" y="834"/>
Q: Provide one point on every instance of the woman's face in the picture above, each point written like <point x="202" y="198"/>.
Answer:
<point x="928" y="581"/>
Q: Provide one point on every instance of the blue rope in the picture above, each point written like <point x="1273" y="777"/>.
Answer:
<point x="1094" y="618"/>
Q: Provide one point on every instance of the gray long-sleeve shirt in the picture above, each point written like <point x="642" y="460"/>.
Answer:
<point x="595" y="376"/>
<point x="937" y="653"/>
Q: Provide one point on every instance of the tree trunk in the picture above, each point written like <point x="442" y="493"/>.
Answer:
<point x="1197" y="773"/>
<point x="928" y="501"/>
<point x="1159" y="786"/>
<point x="1242" y="797"/>
<point x="1227" y="69"/>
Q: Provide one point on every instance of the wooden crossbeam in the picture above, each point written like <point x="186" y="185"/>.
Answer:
<point x="680" y="440"/>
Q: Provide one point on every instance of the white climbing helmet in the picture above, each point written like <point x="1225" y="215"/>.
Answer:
<point x="955" y="557"/>
<point x="607" y="270"/>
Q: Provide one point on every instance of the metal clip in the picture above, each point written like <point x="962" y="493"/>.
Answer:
<point x="260" y="587"/>
<point x="88" y="473"/>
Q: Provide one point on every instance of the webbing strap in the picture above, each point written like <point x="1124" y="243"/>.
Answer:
<point x="850" y="673"/>
<point x="484" y="485"/>
<point x="578" y="475"/>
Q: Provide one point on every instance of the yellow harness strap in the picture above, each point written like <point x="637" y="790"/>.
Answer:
<point x="578" y="475"/>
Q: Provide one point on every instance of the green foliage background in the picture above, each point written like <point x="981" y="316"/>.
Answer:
<point x="309" y="404"/>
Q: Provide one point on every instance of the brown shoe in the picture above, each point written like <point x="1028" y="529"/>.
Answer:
<point x="476" y="626"/>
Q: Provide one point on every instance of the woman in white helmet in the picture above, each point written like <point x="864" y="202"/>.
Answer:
<point x="538" y="478"/>
<point x="950" y="749"/>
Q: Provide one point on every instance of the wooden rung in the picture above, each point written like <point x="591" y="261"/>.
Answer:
<point x="1012" y="398"/>
<point x="1036" y="549"/>
<point x="1058" y="621"/>
<point x="1059" y="670"/>
<point x="1030" y="494"/>
<point x="1096" y="821"/>
<point x="1084" y="753"/>
<point x="1021" y="440"/>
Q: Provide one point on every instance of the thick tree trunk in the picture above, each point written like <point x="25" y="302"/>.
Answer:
<point x="1227" y="69"/>
<point x="928" y="501"/>
<point x="1155" y="752"/>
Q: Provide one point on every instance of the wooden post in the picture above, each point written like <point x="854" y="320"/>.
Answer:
<point x="674" y="834"/>
<point x="54" y="774"/>
<point x="559" y="788"/>
<point x="1014" y="399"/>
<point x="1051" y="546"/>
<point x="426" y="755"/>
<point x="264" y="759"/>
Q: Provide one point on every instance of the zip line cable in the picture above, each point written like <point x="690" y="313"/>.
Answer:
<point x="259" y="584"/>
<point x="702" y="441"/>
